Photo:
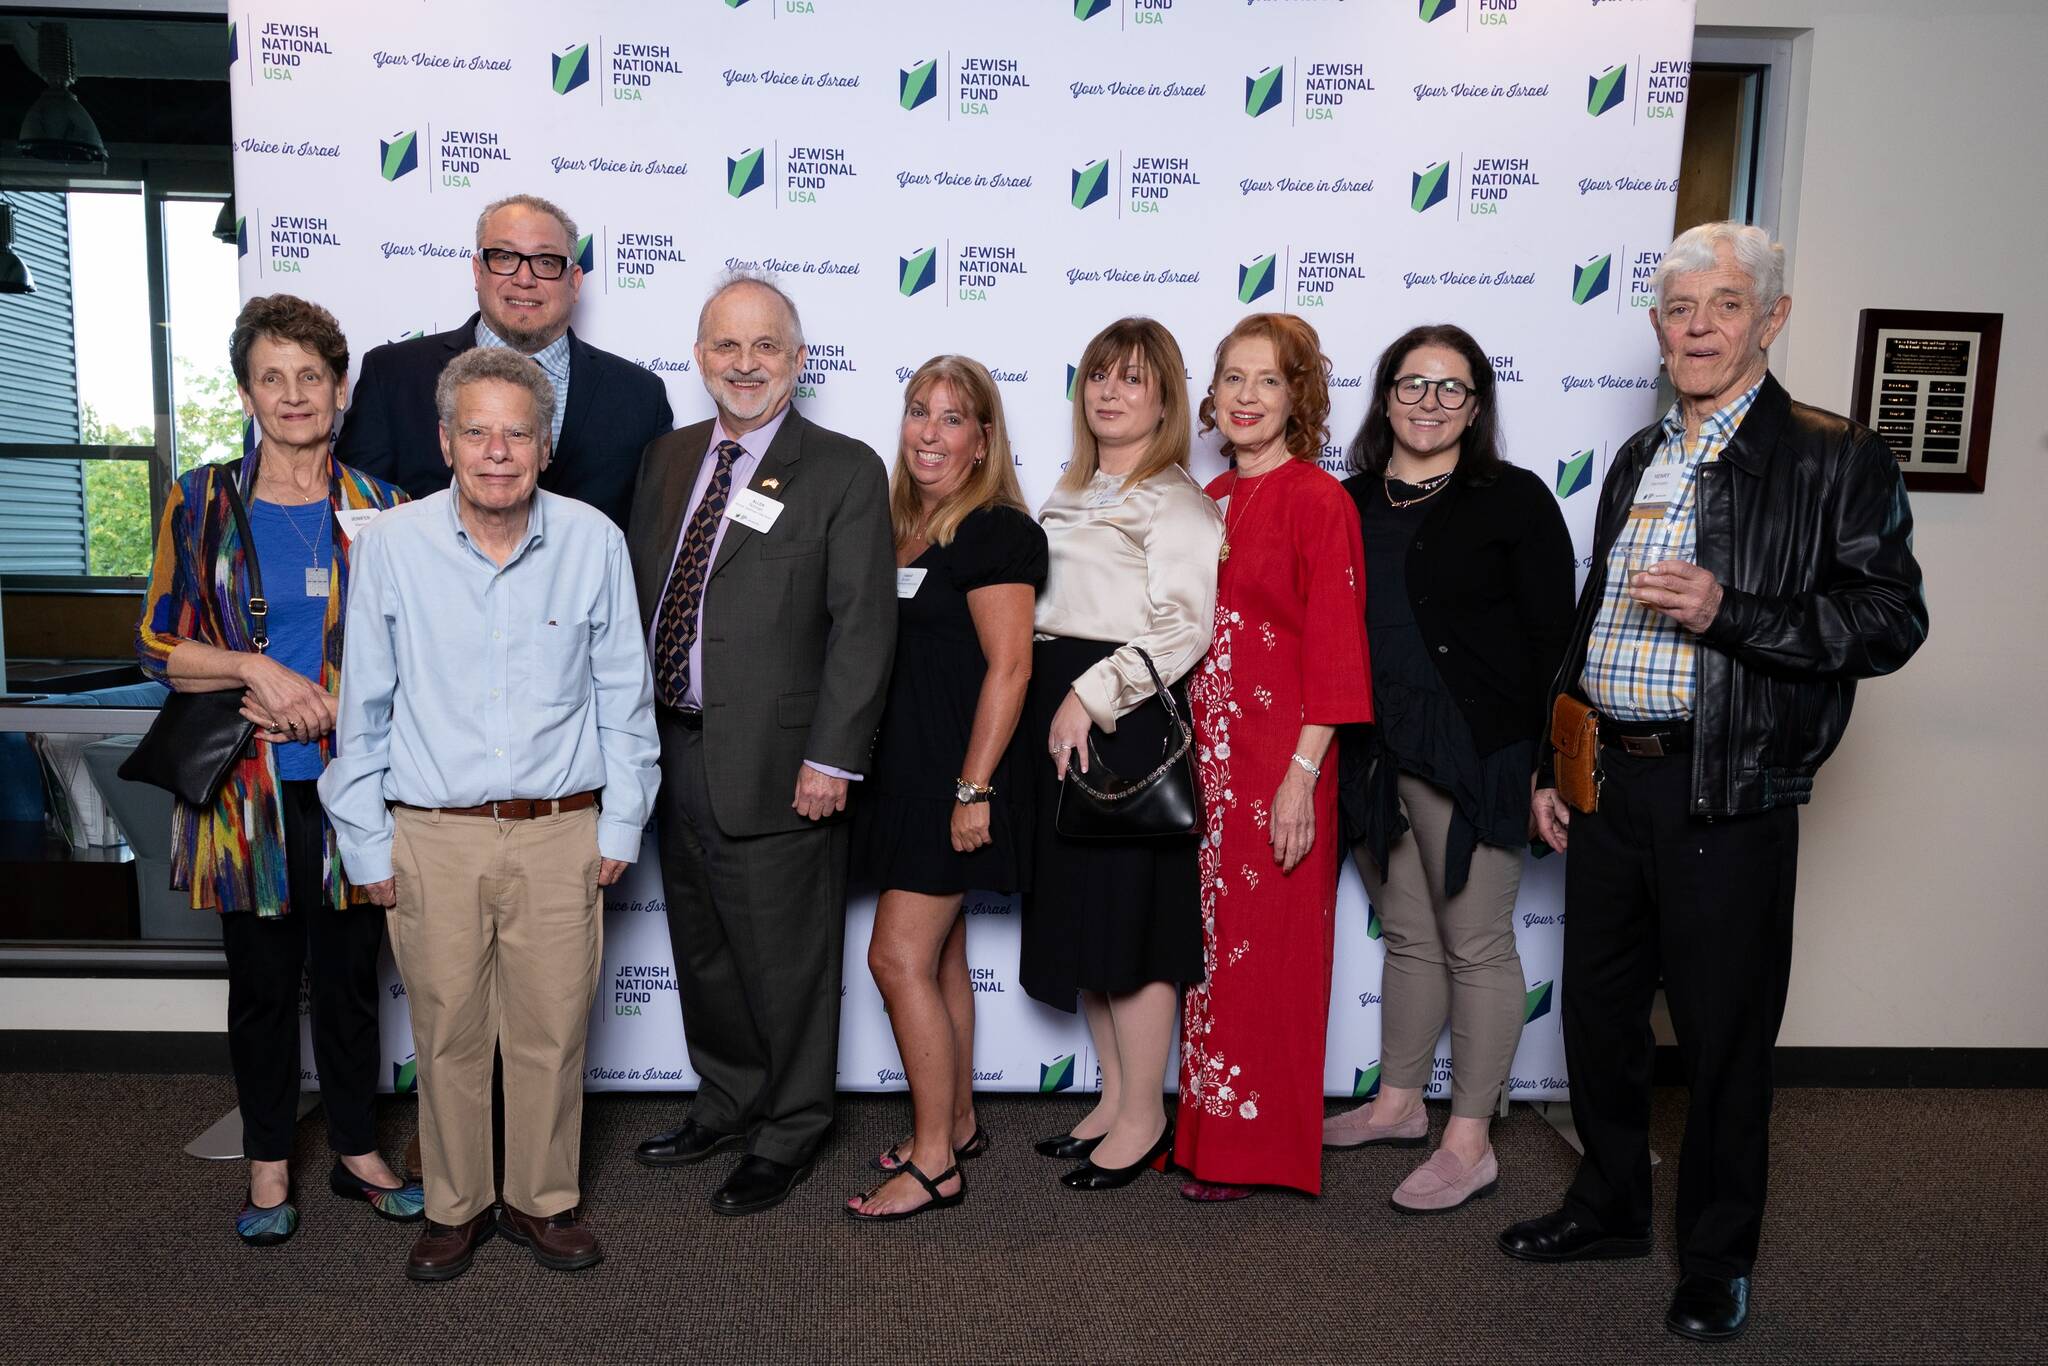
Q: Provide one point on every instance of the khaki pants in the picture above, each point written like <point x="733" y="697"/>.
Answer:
<point x="498" y="933"/>
<point x="1447" y="956"/>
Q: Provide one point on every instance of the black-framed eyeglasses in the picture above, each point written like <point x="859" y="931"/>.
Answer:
<point x="1451" y="394"/>
<point x="546" y="265"/>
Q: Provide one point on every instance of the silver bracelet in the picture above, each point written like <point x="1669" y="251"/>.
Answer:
<point x="1311" y="769"/>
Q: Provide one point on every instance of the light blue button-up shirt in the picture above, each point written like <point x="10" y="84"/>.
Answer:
<point x="466" y="682"/>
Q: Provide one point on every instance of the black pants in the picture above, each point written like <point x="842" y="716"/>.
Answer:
<point x="1650" y="889"/>
<point x="758" y="925"/>
<point x="267" y="957"/>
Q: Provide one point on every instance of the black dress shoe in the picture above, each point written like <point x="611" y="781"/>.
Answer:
<point x="1089" y="1177"/>
<point x="1558" y="1237"/>
<point x="1710" y="1308"/>
<point x="680" y="1147"/>
<point x="758" y="1183"/>
<point x="1066" y="1147"/>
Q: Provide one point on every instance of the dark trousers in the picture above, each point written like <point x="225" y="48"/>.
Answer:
<point x="757" y="925"/>
<point x="267" y="958"/>
<point x="1650" y="890"/>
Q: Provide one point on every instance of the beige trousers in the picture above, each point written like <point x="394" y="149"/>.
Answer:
<point x="498" y="933"/>
<point x="1447" y="956"/>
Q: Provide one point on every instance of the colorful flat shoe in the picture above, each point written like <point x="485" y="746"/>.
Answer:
<point x="887" y="1161"/>
<point x="260" y="1227"/>
<point x="404" y="1204"/>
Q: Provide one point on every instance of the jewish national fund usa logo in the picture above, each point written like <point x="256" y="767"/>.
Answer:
<point x="1537" y="1001"/>
<point x="1365" y="1082"/>
<point x="1255" y="281"/>
<point x="1429" y="11"/>
<point x="241" y="235"/>
<point x="917" y="271"/>
<point x="1265" y="90"/>
<point x="1590" y="278"/>
<point x="1072" y="372"/>
<point x="918" y="84"/>
<point x="1606" y="89"/>
<point x="586" y="260"/>
<point x="1090" y="183"/>
<point x="1057" y="1075"/>
<point x="1574" y="473"/>
<point x="1088" y="9"/>
<point x="1429" y="186"/>
<point x="398" y="154"/>
<point x="743" y="174"/>
<point x="570" y="67"/>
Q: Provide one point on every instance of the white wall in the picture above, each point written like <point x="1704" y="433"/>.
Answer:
<point x="1921" y="903"/>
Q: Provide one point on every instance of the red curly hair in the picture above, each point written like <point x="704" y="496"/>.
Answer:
<point x="1300" y="352"/>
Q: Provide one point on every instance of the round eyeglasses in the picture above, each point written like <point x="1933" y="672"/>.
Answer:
<point x="1451" y="394"/>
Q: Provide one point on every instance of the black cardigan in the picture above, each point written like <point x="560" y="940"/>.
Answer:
<point x="1490" y="577"/>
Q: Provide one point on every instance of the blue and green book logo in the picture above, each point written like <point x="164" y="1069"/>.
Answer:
<point x="1433" y="10"/>
<point x="917" y="271"/>
<point x="1088" y="9"/>
<point x="586" y="258"/>
<point x="398" y="154"/>
<point x="571" y="67"/>
<point x="1057" y="1075"/>
<point x="404" y="1076"/>
<point x="1265" y="90"/>
<point x="743" y="173"/>
<point x="1606" y="90"/>
<point x="1537" y="1002"/>
<point x="1574" y="473"/>
<point x="1429" y="186"/>
<point x="1071" y="373"/>
<point x="1589" y="280"/>
<point x="1365" y="1082"/>
<point x="1090" y="183"/>
<point x="1255" y="280"/>
<point x="241" y="235"/>
<point x="234" y="44"/>
<point x="918" y="84"/>
<point x="1373" y="928"/>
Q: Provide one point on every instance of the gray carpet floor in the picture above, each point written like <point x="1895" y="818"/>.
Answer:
<point x="1905" y="1227"/>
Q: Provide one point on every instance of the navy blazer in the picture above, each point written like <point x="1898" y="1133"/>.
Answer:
<point x="615" y="408"/>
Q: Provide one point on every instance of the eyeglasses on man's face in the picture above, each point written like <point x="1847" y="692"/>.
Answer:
<point x="546" y="265"/>
<point x="1450" y="393"/>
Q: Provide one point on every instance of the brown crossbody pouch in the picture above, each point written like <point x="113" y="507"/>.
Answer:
<point x="1575" y="735"/>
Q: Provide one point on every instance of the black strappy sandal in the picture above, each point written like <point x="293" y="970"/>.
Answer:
<point x="931" y="1186"/>
<point x="966" y="1152"/>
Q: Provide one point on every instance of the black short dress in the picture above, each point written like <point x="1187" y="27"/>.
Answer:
<point x="903" y="812"/>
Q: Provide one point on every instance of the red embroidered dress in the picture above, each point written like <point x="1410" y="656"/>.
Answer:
<point x="1289" y="651"/>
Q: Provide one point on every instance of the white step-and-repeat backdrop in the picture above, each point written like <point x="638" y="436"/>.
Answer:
<point x="1001" y="178"/>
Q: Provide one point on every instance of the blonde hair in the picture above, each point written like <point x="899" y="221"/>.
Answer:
<point x="990" y="483"/>
<point x="1158" y="356"/>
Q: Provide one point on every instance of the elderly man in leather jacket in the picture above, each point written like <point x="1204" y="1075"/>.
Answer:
<point x="1752" y="559"/>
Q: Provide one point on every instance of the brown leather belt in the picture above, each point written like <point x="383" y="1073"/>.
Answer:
<point x="516" y="808"/>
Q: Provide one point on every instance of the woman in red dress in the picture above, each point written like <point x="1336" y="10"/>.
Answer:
<point x="1288" y="666"/>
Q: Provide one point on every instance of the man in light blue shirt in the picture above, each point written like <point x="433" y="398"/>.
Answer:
<point x="496" y="761"/>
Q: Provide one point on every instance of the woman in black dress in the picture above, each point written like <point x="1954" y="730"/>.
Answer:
<point x="1471" y="605"/>
<point x="938" y="815"/>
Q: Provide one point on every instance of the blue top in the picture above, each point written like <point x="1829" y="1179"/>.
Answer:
<point x="468" y="682"/>
<point x="289" y="541"/>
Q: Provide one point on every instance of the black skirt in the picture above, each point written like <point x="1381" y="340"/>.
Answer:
<point x="1102" y="915"/>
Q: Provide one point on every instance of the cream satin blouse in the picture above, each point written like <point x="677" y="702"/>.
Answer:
<point x="1137" y="569"/>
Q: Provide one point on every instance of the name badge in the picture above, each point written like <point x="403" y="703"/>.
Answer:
<point x="755" y="510"/>
<point x="1657" y="491"/>
<point x="908" y="581"/>
<point x="353" y="520"/>
<point x="317" y="581"/>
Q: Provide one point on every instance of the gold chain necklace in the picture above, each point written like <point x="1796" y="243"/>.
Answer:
<point x="1431" y="488"/>
<point x="1236" y="477"/>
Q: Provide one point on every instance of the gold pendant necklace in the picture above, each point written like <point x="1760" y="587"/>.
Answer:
<point x="1223" y="551"/>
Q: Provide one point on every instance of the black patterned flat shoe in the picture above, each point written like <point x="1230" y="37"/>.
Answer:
<point x="259" y="1227"/>
<point x="404" y="1204"/>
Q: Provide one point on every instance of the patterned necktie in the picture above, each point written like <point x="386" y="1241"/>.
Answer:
<point x="676" y="628"/>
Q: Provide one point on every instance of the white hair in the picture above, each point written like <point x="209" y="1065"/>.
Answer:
<point x="1698" y="249"/>
<point x="500" y="363"/>
<point x="734" y="279"/>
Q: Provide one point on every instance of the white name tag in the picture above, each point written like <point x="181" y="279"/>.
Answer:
<point x="316" y="582"/>
<point x="755" y="510"/>
<point x="908" y="581"/>
<point x="1657" y="491"/>
<point x="353" y="520"/>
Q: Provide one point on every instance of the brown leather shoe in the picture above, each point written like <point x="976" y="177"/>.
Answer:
<point x="443" y="1251"/>
<point x="560" y="1242"/>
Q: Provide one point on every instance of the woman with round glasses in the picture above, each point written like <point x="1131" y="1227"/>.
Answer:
<point x="1471" y="569"/>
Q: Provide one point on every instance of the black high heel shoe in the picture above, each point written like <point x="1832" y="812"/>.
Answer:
<point x="1089" y="1177"/>
<point x="1066" y="1147"/>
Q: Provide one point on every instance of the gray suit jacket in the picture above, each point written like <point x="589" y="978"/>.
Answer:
<point x="799" y="624"/>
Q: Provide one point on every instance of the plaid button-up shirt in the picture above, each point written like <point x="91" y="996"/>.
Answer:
<point x="1639" y="663"/>
<point x="553" y="360"/>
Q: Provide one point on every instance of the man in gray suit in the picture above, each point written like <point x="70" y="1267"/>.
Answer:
<point x="765" y="562"/>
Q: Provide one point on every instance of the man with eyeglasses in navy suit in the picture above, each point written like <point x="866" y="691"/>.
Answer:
<point x="527" y="280"/>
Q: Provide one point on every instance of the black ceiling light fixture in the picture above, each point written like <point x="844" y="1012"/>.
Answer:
<point x="14" y="276"/>
<point x="225" y="228"/>
<point x="57" y="127"/>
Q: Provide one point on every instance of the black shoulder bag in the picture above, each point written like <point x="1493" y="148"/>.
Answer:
<point x="198" y="736"/>
<point x="1102" y="804"/>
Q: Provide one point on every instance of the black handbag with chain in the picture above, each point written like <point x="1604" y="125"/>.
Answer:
<point x="1166" y="802"/>
<point x="198" y="736"/>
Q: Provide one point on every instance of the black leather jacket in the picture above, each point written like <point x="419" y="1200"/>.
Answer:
<point x="1804" y="521"/>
